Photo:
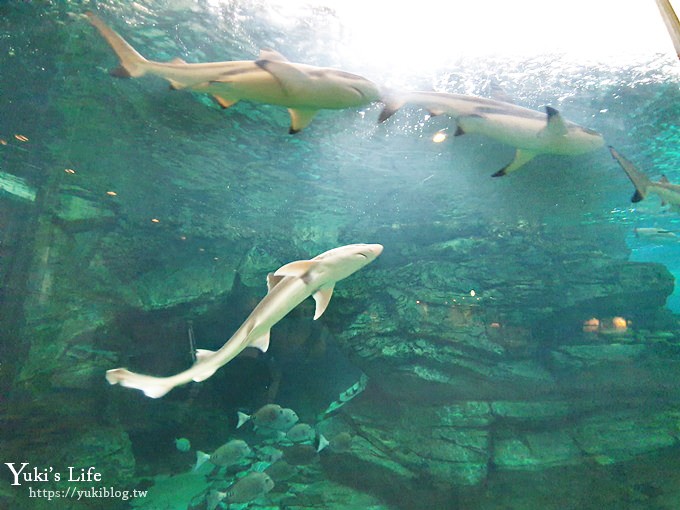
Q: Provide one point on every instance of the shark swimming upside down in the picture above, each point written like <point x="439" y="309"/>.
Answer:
<point x="289" y="286"/>
<point x="531" y="132"/>
<point x="271" y="79"/>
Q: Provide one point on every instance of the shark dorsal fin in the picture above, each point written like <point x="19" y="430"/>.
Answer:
<point x="300" y="119"/>
<point x="273" y="281"/>
<point x="288" y="76"/>
<point x="261" y="342"/>
<point x="637" y="196"/>
<point x="297" y="268"/>
<point x="556" y="125"/>
<point x="322" y="298"/>
<point x="272" y="55"/>
<point x="664" y="179"/>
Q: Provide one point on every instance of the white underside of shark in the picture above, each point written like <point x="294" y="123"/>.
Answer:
<point x="289" y="286"/>
<point x="271" y="79"/>
<point x="531" y="132"/>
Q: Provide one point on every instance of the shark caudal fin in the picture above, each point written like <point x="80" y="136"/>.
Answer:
<point x="132" y="64"/>
<point x="153" y="387"/>
<point x="639" y="180"/>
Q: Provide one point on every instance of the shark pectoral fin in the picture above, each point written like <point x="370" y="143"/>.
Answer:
<point x="322" y="298"/>
<point x="300" y="119"/>
<point x="272" y="55"/>
<point x="459" y="131"/>
<point x="261" y="342"/>
<point x="273" y="281"/>
<point x="390" y="108"/>
<point x="176" y="85"/>
<point x="435" y="112"/>
<point x="556" y="125"/>
<point x="522" y="157"/>
<point x="297" y="268"/>
<point x="223" y="102"/>
<point x="177" y="60"/>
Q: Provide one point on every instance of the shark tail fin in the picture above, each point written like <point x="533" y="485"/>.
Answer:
<point x="639" y="180"/>
<point x="153" y="387"/>
<point x="132" y="64"/>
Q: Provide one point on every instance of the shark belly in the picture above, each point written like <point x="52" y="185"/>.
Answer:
<point x="264" y="88"/>
<point x="183" y="75"/>
<point x="523" y="133"/>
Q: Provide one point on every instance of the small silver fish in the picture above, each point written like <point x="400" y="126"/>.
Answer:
<point x="226" y="455"/>
<point x="182" y="444"/>
<point x="281" y="471"/>
<point x="301" y="433"/>
<point x="250" y="487"/>
<point x="213" y="499"/>
<point x="341" y="442"/>
<point x="271" y="416"/>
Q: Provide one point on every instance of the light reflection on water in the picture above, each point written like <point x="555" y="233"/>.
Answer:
<point x="605" y="65"/>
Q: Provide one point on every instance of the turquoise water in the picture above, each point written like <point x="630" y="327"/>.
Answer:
<point x="515" y="346"/>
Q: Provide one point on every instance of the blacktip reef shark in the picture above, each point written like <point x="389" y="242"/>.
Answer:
<point x="531" y="132"/>
<point x="289" y="286"/>
<point x="670" y="19"/>
<point x="669" y="193"/>
<point x="271" y="79"/>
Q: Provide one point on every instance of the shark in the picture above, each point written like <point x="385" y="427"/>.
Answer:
<point x="669" y="193"/>
<point x="287" y="287"/>
<point x="531" y="132"/>
<point x="271" y="79"/>
<point x="670" y="19"/>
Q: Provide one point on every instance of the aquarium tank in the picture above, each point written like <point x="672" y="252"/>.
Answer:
<point x="344" y="255"/>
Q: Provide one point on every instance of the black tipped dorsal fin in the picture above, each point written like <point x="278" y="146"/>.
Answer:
<point x="556" y="125"/>
<point x="271" y="55"/>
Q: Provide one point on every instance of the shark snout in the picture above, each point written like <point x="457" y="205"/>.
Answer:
<point x="370" y="251"/>
<point x="376" y="249"/>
